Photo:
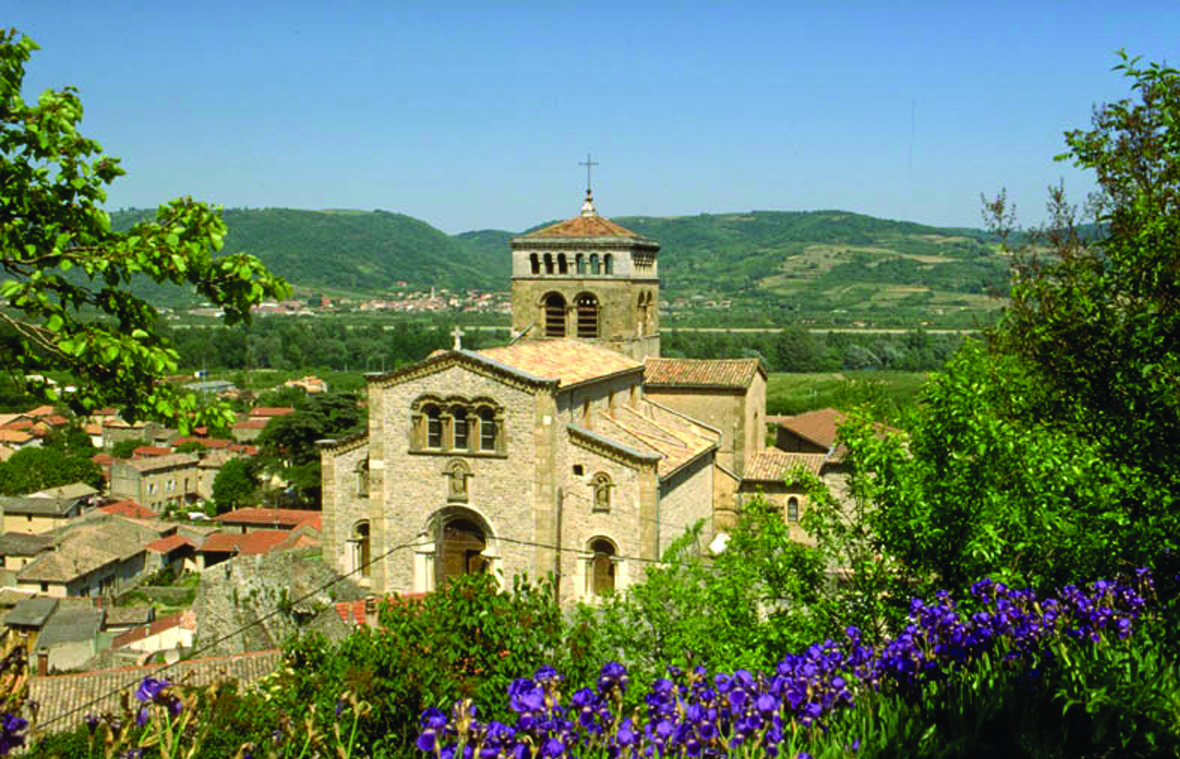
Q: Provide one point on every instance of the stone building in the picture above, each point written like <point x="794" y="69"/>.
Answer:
<point x="551" y="454"/>
<point x="158" y="481"/>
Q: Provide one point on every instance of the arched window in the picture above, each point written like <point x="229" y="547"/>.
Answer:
<point x="608" y="263"/>
<point x="793" y="510"/>
<point x="602" y="576"/>
<point x="460" y="440"/>
<point x="595" y="267"/>
<point x="361" y="548"/>
<point x="433" y="426"/>
<point x="562" y="264"/>
<point x="602" y="487"/>
<point x="554" y="315"/>
<point x="535" y="263"/>
<point x="548" y="263"/>
<point x="581" y="263"/>
<point x="489" y="435"/>
<point x="587" y="306"/>
<point x="641" y="315"/>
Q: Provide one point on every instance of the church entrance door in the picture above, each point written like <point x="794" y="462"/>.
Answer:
<point x="461" y="546"/>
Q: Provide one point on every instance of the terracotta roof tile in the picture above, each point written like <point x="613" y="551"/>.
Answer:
<point x="71" y="697"/>
<point x="186" y="619"/>
<point x="259" y="541"/>
<point x="57" y="420"/>
<point x="153" y="463"/>
<point x="267" y="412"/>
<point x="569" y="361"/>
<point x="583" y="226"/>
<point x="818" y="426"/>
<point x="689" y="372"/>
<point x="42" y="411"/>
<point x="169" y="544"/>
<point x="276" y="517"/>
<point x="651" y="428"/>
<point x="148" y="451"/>
<point x="251" y="424"/>
<point x="772" y="465"/>
<point x="128" y="509"/>
<point x="14" y="436"/>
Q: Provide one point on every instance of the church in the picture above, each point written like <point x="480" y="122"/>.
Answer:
<point x="573" y="450"/>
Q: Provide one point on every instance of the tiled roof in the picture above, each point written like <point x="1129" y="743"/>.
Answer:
<point x="352" y="613"/>
<point x="70" y="626"/>
<point x="42" y="411"/>
<point x="92" y="429"/>
<point x="259" y="541"/>
<point x="72" y="697"/>
<point x="818" y="426"/>
<point x="69" y="562"/>
<point x="583" y="226"/>
<point x="146" y="451"/>
<point x="31" y="612"/>
<point x="47" y="507"/>
<point x="103" y="459"/>
<point x="73" y="490"/>
<point x="251" y="424"/>
<point x="15" y="436"/>
<point x="651" y="428"/>
<point x="772" y="465"/>
<point x="169" y="544"/>
<point x="20" y="544"/>
<point x="207" y="442"/>
<point x="119" y="616"/>
<point x="186" y="619"/>
<point x="276" y="517"/>
<point x="689" y="372"/>
<point x="128" y="509"/>
<point x="161" y="462"/>
<point x="57" y="420"/>
<point x="569" y="361"/>
<point x="267" y="412"/>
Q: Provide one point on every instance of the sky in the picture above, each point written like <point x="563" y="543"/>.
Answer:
<point x="476" y="115"/>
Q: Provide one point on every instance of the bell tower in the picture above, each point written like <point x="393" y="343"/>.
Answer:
<point x="591" y="279"/>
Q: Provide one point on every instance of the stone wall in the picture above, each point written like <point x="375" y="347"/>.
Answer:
<point x="685" y="497"/>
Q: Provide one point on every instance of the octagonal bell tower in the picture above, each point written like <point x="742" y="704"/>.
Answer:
<point x="591" y="279"/>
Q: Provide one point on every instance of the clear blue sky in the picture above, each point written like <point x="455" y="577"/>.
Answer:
<point x="475" y="115"/>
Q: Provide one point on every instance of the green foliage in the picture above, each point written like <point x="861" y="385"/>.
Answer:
<point x="70" y="440"/>
<point x="125" y="449"/>
<point x="746" y="607"/>
<point x="288" y="444"/>
<point x="30" y="470"/>
<point x="64" y="297"/>
<point x="235" y="485"/>
<point x="192" y="446"/>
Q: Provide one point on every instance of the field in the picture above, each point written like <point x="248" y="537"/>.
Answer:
<point x="888" y="392"/>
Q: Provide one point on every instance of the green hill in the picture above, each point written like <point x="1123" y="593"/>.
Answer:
<point x="766" y="266"/>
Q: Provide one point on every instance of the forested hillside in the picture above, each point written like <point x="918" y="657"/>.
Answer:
<point x="774" y="266"/>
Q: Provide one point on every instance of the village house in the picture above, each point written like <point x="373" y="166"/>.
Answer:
<point x="37" y="513"/>
<point x="157" y="482"/>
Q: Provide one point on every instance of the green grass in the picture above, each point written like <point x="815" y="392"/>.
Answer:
<point x="889" y="393"/>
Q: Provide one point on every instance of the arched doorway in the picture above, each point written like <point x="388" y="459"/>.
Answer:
<point x="554" y="315"/>
<point x="602" y="567"/>
<point x="461" y="538"/>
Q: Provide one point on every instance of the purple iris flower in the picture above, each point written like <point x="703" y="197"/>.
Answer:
<point x="150" y="689"/>
<point x="11" y="727"/>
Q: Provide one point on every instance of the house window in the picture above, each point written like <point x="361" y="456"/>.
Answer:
<point x="595" y="266"/>
<point x="581" y="262"/>
<point x="362" y="548"/>
<point x="459" y="428"/>
<point x="608" y="263"/>
<point x="587" y="306"/>
<point x="602" y="487"/>
<point x="44" y="587"/>
<point x="433" y="427"/>
<point x="793" y="510"/>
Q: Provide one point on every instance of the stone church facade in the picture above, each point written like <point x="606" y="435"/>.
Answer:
<point x="550" y="454"/>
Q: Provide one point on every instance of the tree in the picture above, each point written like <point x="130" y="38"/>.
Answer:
<point x="125" y="449"/>
<point x="288" y="444"/>
<point x="235" y="485"/>
<point x="33" y="469"/>
<point x="796" y="350"/>
<point x="64" y="299"/>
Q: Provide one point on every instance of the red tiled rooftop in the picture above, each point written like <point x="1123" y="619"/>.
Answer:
<point x="128" y="509"/>
<point x="254" y="515"/>
<point x="688" y="372"/>
<point x="569" y="361"/>
<point x="57" y="420"/>
<point x="259" y="541"/>
<point x="251" y="424"/>
<point x="186" y="619"/>
<point x="169" y="544"/>
<point x="149" y="451"/>
<point x="270" y="411"/>
<point x="103" y="459"/>
<point x="13" y="435"/>
<point x="817" y="426"/>
<point x="772" y="465"/>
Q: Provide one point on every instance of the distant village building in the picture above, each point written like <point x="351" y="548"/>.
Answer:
<point x="157" y="482"/>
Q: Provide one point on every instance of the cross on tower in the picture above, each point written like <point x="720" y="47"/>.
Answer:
<point x="588" y="163"/>
<point x="458" y="335"/>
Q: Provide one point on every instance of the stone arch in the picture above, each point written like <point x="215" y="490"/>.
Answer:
<point x="595" y="264"/>
<point x="580" y="264"/>
<point x="463" y="543"/>
<point x="793" y="510"/>
<point x="608" y="264"/>
<point x="588" y="316"/>
<point x="553" y="309"/>
<point x="548" y="263"/>
<point x="601" y="577"/>
<point x="562" y="264"/>
<point x="535" y="263"/>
